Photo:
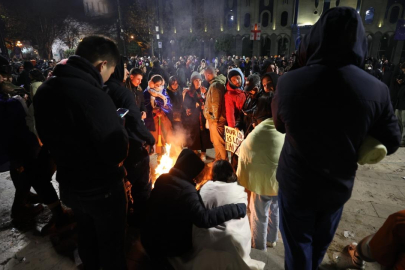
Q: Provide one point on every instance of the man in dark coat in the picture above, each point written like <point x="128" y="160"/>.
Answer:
<point x="157" y="69"/>
<point x="326" y="108"/>
<point x="175" y="205"/>
<point x="137" y="162"/>
<point x="77" y="121"/>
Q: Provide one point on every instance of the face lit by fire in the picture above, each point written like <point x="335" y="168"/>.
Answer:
<point x="197" y="83"/>
<point x="236" y="80"/>
<point x="136" y="79"/>
<point x="268" y="84"/>
<point x="158" y="86"/>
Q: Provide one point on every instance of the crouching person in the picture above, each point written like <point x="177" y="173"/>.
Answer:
<point x="174" y="206"/>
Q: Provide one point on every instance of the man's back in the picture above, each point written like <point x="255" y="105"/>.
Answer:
<point x="327" y="108"/>
<point x="77" y="121"/>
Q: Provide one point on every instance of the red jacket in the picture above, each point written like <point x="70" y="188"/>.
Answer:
<point x="234" y="100"/>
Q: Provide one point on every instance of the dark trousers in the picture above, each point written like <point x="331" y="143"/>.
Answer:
<point x="44" y="169"/>
<point x="307" y="232"/>
<point x="138" y="173"/>
<point x="101" y="222"/>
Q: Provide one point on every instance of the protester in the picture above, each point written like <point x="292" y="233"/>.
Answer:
<point x="175" y="205"/>
<point x="158" y="70"/>
<point x="269" y="82"/>
<point x="133" y="83"/>
<point x="245" y="119"/>
<point x="399" y="102"/>
<point x="228" y="243"/>
<point x="137" y="162"/>
<point x="88" y="142"/>
<point x="258" y="161"/>
<point x="234" y="96"/>
<point x="175" y="93"/>
<point x="214" y="111"/>
<point x="158" y="111"/>
<point x="385" y="247"/>
<point x="324" y="132"/>
<point x="194" y="122"/>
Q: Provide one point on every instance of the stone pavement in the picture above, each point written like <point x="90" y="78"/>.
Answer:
<point x="379" y="191"/>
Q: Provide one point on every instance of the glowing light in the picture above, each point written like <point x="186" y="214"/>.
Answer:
<point x="175" y="31"/>
<point x="368" y="12"/>
<point x="166" y="163"/>
<point x="222" y="29"/>
<point x="232" y="18"/>
<point x="238" y="28"/>
<point x="380" y="25"/>
<point x="19" y="44"/>
<point x="191" y="30"/>
<point x="132" y="37"/>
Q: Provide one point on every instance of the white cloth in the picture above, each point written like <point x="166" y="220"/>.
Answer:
<point x="258" y="159"/>
<point x="371" y="151"/>
<point x="226" y="246"/>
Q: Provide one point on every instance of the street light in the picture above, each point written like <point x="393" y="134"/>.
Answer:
<point x="132" y="37"/>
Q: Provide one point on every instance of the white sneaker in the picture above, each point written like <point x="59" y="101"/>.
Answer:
<point x="270" y="244"/>
<point x="203" y="156"/>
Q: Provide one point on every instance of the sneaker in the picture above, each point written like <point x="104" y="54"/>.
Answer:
<point x="348" y="258"/>
<point x="59" y="223"/>
<point x="203" y="156"/>
<point x="271" y="244"/>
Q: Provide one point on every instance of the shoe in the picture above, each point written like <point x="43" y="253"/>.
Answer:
<point x="271" y="244"/>
<point x="25" y="211"/>
<point x="348" y="258"/>
<point x="60" y="223"/>
<point x="203" y="156"/>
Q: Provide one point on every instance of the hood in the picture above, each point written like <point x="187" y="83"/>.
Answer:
<point x="274" y="78"/>
<point x="188" y="165"/>
<point x="232" y="72"/>
<point x="78" y="67"/>
<point x="336" y="39"/>
<point x="119" y="70"/>
<point x="219" y="79"/>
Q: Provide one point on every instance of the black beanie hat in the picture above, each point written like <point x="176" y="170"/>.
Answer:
<point x="189" y="164"/>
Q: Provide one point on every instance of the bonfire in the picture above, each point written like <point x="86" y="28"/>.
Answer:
<point x="166" y="163"/>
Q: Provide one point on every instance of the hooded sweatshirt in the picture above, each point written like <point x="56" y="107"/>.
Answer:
<point x="327" y="107"/>
<point x="234" y="98"/>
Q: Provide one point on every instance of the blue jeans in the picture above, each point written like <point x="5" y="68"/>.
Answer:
<point x="307" y="232"/>
<point x="101" y="222"/>
<point x="264" y="220"/>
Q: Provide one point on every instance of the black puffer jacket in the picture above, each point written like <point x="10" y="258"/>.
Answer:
<point x="79" y="124"/>
<point x="327" y="108"/>
<point x="124" y="98"/>
<point x="174" y="206"/>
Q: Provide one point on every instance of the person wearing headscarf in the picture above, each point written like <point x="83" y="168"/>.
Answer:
<point x="159" y="111"/>
<point x="197" y="136"/>
<point x="326" y="107"/>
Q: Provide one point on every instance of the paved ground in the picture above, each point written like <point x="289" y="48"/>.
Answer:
<point x="378" y="192"/>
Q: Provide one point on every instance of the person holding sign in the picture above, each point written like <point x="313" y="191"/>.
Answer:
<point x="257" y="167"/>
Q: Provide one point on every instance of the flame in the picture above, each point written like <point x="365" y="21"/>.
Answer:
<point x="166" y="163"/>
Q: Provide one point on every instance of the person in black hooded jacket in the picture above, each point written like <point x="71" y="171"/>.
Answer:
<point x="327" y="107"/>
<point x="175" y="205"/>
<point x="78" y="123"/>
<point x="137" y="162"/>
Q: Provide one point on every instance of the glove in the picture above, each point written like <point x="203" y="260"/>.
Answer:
<point x="241" y="209"/>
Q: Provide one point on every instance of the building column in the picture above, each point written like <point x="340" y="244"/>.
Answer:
<point x="396" y="56"/>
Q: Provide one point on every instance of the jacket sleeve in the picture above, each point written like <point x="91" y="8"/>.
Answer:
<point x="276" y="109"/>
<point x="386" y="128"/>
<point x="207" y="218"/>
<point x="230" y="110"/>
<point x="134" y="121"/>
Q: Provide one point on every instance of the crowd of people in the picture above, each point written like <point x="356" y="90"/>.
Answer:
<point x="304" y="119"/>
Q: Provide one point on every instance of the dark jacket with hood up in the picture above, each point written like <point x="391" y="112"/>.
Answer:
<point x="124" y="98"/>
<point x="79" y="124"/>
<point x="327" y="108"/>
<point x="175" y="205"/>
